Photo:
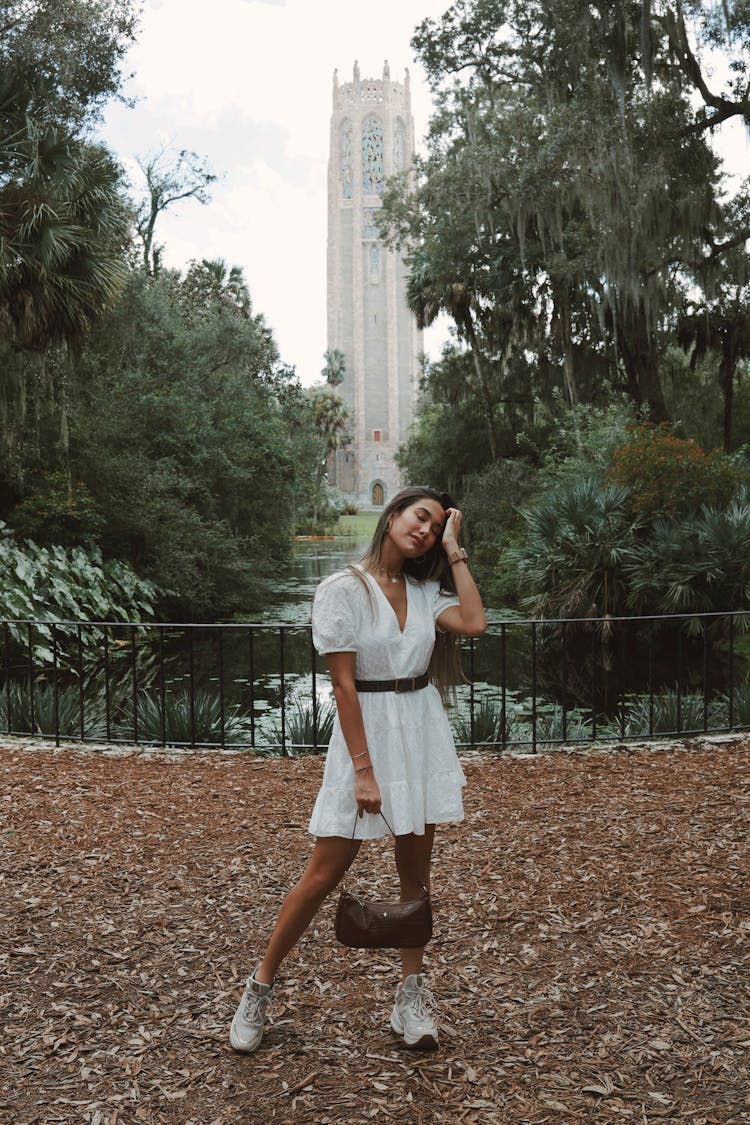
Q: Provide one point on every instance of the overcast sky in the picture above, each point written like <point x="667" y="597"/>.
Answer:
<point x="247" y="83"/>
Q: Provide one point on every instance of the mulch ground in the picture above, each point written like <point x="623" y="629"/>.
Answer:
<point x="591" y="960"/>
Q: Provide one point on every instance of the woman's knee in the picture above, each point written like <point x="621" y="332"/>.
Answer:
<point x="324" y="873"/>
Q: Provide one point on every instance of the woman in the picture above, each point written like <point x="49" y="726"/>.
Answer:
<point x="391" y="746"/>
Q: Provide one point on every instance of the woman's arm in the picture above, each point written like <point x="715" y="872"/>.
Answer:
<point x="341" y="665"/>
<point x="468" y="618"/>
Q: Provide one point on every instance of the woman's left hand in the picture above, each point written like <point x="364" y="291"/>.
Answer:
<point x="452" y="530"/>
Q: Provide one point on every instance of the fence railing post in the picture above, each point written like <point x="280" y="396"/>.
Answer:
<point x="54" y="678"/>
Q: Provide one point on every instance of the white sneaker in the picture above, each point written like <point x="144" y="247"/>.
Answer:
<point x="411" y="1017"/>
<point x="246" y="1031"/>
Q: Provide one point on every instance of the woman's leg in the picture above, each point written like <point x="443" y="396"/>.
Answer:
<point x="329" y="860"/>
<point x="413" y="856"/>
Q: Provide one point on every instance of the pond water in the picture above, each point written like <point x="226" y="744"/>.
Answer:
<point x="312" y="561"/>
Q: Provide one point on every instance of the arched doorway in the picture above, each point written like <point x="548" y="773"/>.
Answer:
<point x="378" y="496"/>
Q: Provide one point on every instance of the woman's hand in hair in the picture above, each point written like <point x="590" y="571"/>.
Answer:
<point x="452" y="530"/>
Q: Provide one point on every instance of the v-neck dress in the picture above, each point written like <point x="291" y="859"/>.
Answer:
<point x="408" y="735"/>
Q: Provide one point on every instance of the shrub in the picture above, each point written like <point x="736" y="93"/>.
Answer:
<point x="177" y="722"/>
<point x="551" y="731"/>
<point x="52" y="514"/>
<point x="576" y="542"/>
<point x="740" y="708"/>
<point x="669" y="476"/>
<point x="49" y="585"/>
<point x="300" y="725"/>
<point x="488" y="723"/>
<point x="17" y="715"/>
<point x="673" y="713"/>
<point x="696" y="564"/>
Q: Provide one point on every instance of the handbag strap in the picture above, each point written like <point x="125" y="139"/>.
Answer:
<point x="354" y="829"/>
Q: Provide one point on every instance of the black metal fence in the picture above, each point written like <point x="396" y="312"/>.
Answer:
<point x="261" y="688"/>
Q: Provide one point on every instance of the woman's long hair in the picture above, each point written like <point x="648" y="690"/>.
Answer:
<point x="445" y="665"/>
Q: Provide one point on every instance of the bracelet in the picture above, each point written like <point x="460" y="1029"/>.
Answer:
<point x="362" y="755"/>
<point x="363" y="769"/>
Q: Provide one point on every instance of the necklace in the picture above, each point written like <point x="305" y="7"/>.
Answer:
<point x="391" y="575"/>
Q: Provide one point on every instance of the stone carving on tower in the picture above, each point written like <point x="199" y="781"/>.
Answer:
<point x="372" y="137"/>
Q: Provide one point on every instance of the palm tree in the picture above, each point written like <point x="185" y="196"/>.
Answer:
<point x="331" y="418"/>
<point x="335" y="367"/>
<point x="576" y="544"/>
<point x="63" y="228"/>
<point x="211" y="279"/>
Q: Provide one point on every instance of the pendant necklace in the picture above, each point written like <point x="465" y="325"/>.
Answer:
<point x="392" y="576"/>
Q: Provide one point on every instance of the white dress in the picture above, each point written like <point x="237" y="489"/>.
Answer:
<point x="408" y="735"/>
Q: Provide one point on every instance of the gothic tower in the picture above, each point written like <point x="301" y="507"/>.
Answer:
<point x="372" y="137"/>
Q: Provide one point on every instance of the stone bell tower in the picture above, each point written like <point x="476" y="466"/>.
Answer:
<point x="372" y="138"/>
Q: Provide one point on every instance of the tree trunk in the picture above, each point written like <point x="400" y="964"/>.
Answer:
<point x="484" y="385"/>
<point x="570" y="379"/>
<point x="726" y="381"/>
<point x="641" y="363"/>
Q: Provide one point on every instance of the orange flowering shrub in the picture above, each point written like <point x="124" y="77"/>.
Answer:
<point x="668" y="476"/>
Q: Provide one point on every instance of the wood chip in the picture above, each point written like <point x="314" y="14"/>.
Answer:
<point x="590" y="960"/>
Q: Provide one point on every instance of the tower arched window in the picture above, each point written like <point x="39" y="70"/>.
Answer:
<point x="399" y="145"/>
<point x="347" y="160"/>
<point x="372" y="156"/>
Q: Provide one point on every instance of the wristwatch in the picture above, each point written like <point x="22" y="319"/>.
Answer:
<point x="460" y="555"/>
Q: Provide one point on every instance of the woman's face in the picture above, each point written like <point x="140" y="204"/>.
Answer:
<point x="417" y="528"/>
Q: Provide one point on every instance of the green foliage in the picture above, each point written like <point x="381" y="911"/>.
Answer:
<point x="300" y="725"/>
<point x="53" y="514"/>
<point x="488" y="723"/>
<point x="668" y="712"/>
<point x="492" y="502"/>
<point x="740" y="708"/>
<point x="182" y="719"/>
<point x="193" y="440"/>
<point x="577" y="538"/>
<point x="669" y="476"/>
<point x="73" y="49"/>
<point x="552" y="731"/>
<point x="65" y="586"/>
<point x="37" y="711"/>
<point x="694" y="564"/>
<point x="443" y="446"/>
<point x="584" y="441"/>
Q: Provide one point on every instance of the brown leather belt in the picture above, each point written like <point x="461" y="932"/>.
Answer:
<point x="411" y="683"/>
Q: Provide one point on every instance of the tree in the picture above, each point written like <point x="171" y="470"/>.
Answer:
<point x="187" y="432"/>
<point x="73" y="48"/>
<point x="170" y="177"/>
<point x="331" y="421"/>
<point x="335" y="367"/>
<point x="571" y="175"/>
<point x="63" y="228"/>
<point x="330" y="418"/>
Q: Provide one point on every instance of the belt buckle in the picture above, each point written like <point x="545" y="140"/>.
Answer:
<point x="409" y="680"/>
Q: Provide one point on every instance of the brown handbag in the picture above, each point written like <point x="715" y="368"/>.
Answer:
<point x="383" y="925"/>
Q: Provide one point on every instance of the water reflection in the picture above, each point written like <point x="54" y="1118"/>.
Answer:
<point x="312" y="561"/>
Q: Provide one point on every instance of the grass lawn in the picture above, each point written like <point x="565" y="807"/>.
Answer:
<point x="360" y="526"/>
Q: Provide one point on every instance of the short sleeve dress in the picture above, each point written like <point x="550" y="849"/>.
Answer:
<point x="408" y="735"/>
